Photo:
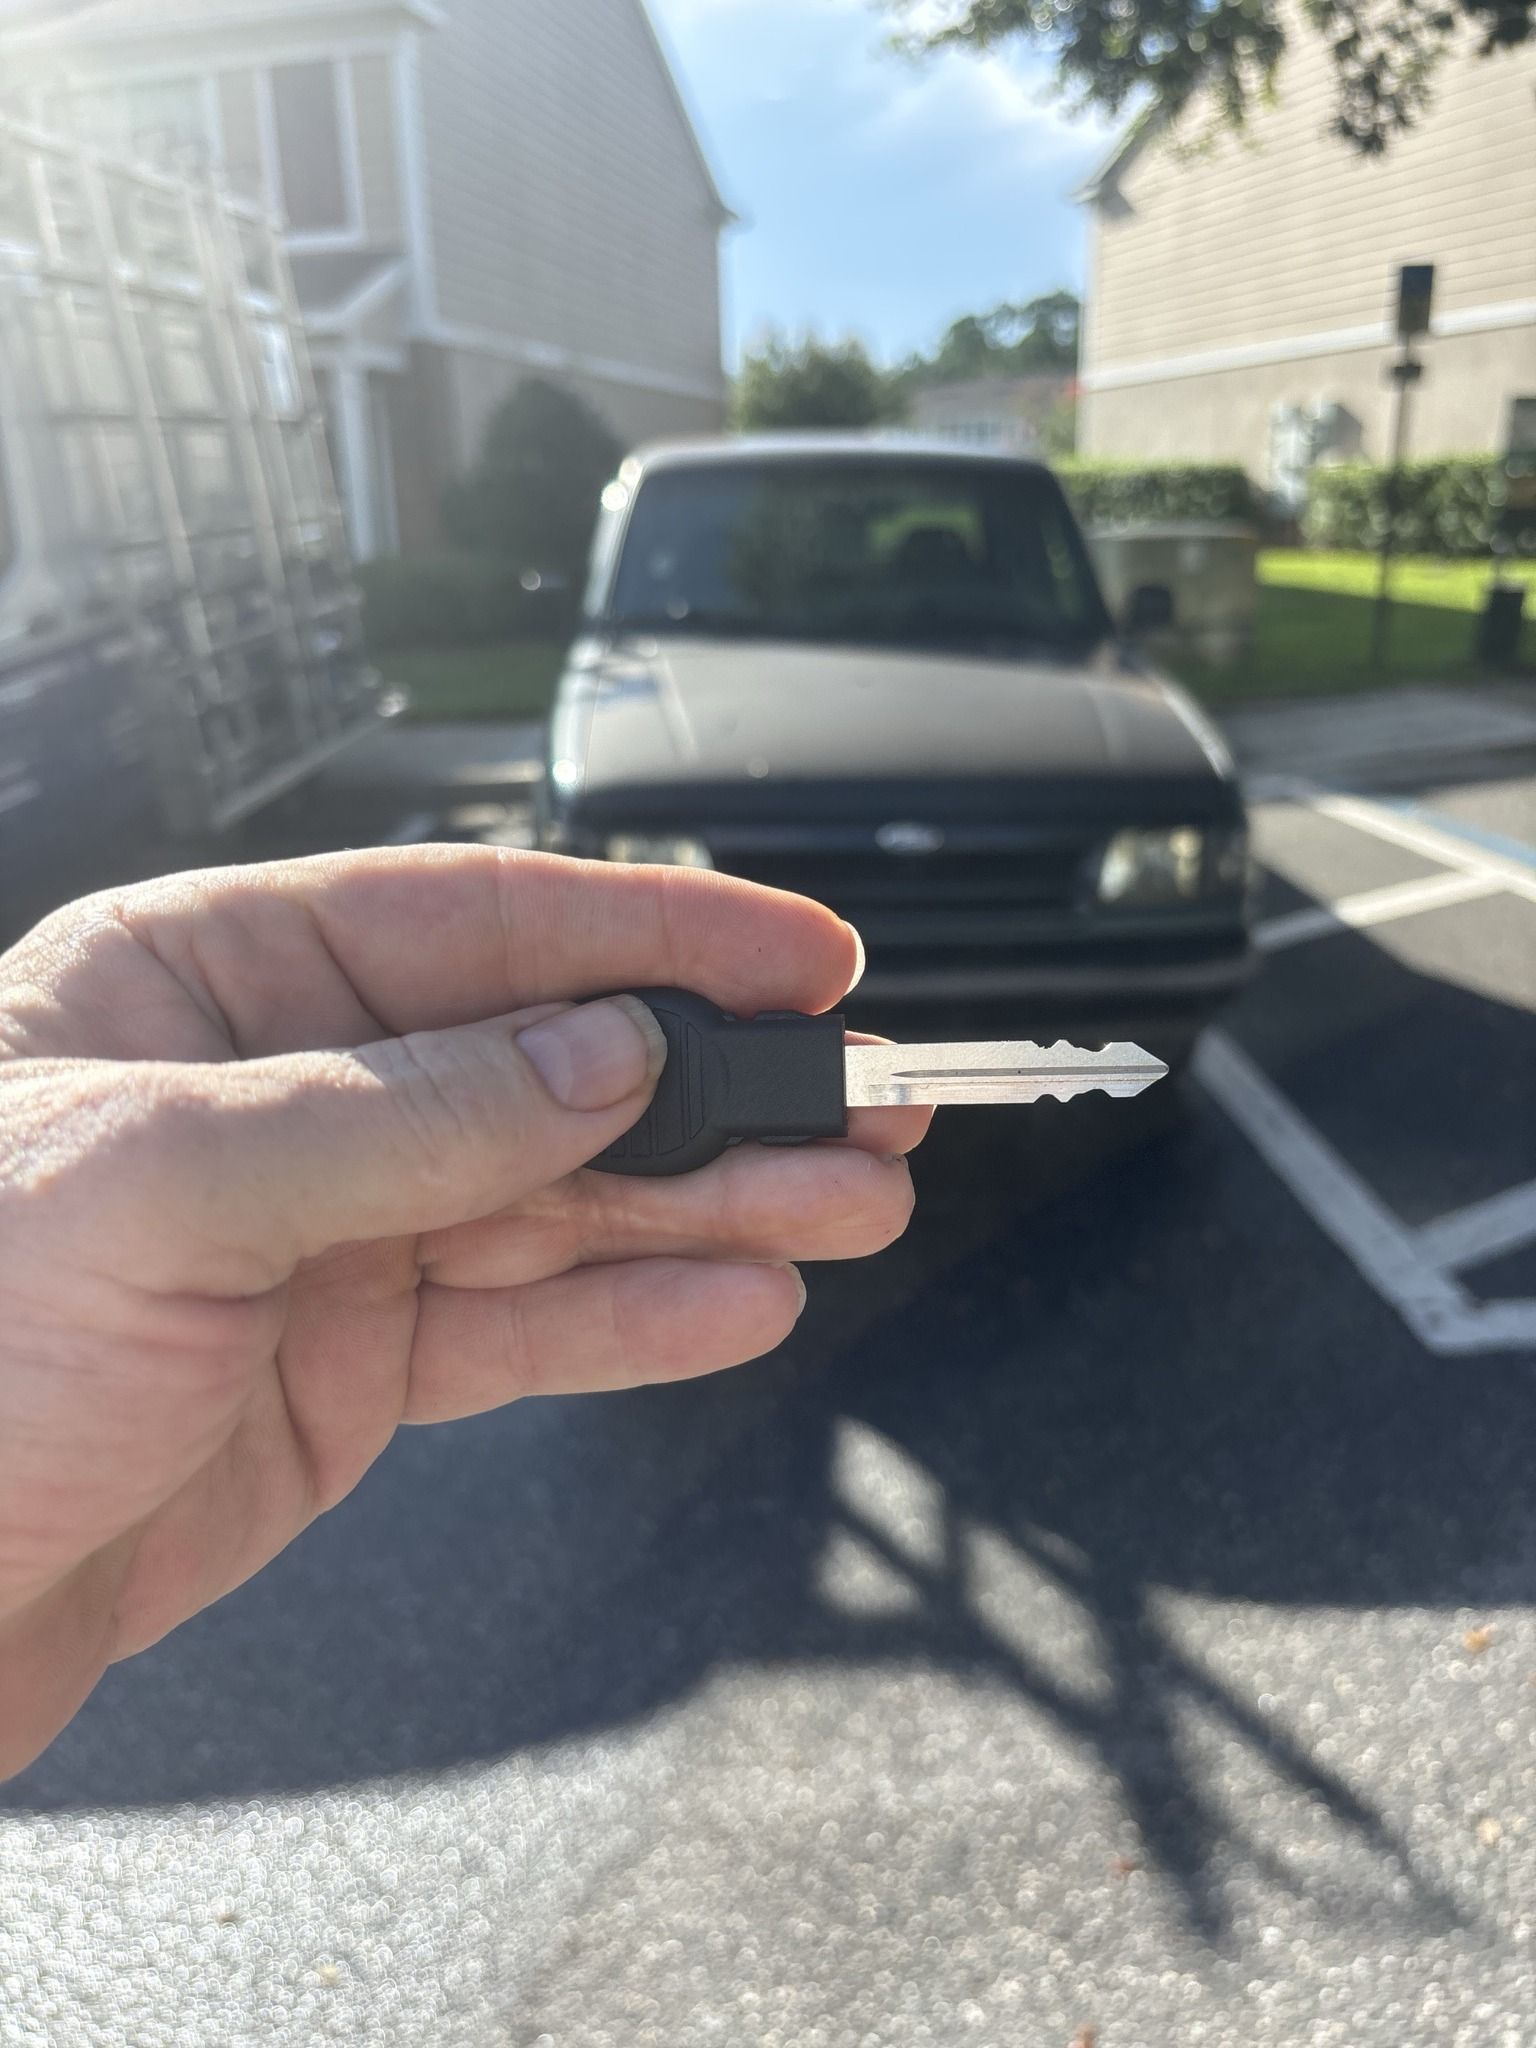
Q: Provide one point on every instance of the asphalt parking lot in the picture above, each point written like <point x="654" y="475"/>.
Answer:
<point x="1108" y="1623"/>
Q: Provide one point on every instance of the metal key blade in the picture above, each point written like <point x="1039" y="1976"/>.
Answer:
<point x="992" y="1071"/>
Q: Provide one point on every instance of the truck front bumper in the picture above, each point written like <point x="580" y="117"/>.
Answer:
<point x="1160" y="995"/>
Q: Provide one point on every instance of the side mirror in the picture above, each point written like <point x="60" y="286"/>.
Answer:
<point x="1149" y="609"/>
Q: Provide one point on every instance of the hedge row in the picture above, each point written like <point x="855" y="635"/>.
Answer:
<point x="1128" y="493"/>
<point x="454" y="600"/>
<point x="1446" y="507"/>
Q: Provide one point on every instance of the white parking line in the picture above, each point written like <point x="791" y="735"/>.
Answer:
<point x="1416" y="834"/>
<point x="1484" y="1230"/>
<point x="1441" y="1313"/>
<point x="1413" y="1270"/>
<point x="1373" y="906"/>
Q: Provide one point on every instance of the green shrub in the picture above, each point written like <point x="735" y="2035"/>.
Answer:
<point x="1445" y="507"/>
<point x="1131" y="493"/>
<point x="429" y="601"/>
<point x="532" y="497"/>
<point x="811" y="383"/>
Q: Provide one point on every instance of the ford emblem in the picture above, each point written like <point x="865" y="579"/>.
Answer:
<point x="909" y="839"/>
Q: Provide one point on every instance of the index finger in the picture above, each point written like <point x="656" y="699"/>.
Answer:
<point x="430" y="937"/>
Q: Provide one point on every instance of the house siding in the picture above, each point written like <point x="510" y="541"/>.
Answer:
<point x="568" y="204"/>
<point x="1284" y="234"/>
<point x="1461" y="407"/>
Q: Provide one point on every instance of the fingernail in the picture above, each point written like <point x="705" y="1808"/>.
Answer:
<point x="799" y="1279"/>
<point x="858" y="972"/>
<point x="597" y="1056"/>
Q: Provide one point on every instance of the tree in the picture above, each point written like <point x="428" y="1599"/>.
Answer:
<point x="1385" y="52"/>
<point x="813" y="383"/>
<point x="1010" y="341"/>
<point x="1058" y="433"/>
<point x="532" y="498"/>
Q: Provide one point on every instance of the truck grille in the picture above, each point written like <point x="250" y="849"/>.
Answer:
<point x="957" y="896"/>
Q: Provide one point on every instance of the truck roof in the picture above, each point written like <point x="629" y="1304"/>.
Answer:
<point x="701" y="451"/>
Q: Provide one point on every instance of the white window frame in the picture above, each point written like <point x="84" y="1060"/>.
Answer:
<point x="352" y="234"/>
<point x="400" y="48"/>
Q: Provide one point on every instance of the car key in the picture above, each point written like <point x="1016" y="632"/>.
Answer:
<point x="783" y="1078"/>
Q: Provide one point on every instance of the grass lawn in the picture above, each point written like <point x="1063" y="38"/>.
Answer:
<point x="1314" y="630"/>
<point x="513" y="682"/>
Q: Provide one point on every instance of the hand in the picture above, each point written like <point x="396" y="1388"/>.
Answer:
<point x="291" y="1155"/>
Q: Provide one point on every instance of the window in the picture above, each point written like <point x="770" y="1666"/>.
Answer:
<point x="857" y="552"/>
<point x="306" y="115"/>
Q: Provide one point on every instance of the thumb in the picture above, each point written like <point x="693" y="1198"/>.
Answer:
<point x="289" y="1156"/>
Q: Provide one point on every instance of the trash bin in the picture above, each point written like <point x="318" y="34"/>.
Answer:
<point x="1498" y="629"/>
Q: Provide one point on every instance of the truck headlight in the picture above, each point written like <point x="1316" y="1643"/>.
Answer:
<point x="1229" y="862"/>
<point x="661" y="850"/>
<point x="1153" y="868"/>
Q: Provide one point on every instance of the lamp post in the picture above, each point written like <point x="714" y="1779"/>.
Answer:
<point x="1415" y="298"/>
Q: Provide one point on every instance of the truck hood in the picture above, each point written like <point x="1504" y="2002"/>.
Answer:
<point x="696" y="711"/>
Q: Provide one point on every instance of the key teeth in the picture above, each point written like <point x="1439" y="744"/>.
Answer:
<point x="1121" y="1050"/>
<point x="1115" y="1091"/>
<point x="1074" y="1088"/>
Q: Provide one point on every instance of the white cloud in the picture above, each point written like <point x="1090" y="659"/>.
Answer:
<point x="997" y="104"/>
<point x="1003" y="107"/>
<point x="885" y="193"/>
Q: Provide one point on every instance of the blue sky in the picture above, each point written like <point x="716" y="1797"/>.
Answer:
<point x="881" y="197"/>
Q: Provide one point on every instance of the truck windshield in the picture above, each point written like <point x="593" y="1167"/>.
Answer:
<point x="920" y="553"/>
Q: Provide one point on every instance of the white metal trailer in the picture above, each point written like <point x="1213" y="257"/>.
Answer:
<point x="179" y="625"/>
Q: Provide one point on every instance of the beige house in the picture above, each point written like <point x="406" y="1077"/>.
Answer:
<point x="1239" y="301"/>
<point x="474" y="190"/>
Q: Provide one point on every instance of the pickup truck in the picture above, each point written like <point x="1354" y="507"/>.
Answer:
<point x="881" y="673"/>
